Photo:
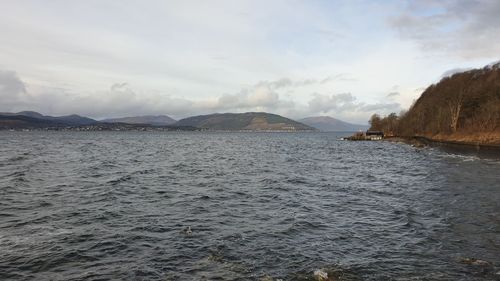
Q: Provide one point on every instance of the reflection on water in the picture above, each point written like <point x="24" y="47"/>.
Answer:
<point x="88" y="206"/>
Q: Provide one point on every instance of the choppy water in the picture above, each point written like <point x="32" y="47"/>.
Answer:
<point x="98" y="206"/>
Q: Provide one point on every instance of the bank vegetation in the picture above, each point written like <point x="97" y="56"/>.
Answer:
<point x="464" y="107"/>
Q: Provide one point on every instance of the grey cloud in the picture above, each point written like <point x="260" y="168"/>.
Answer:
<point x="13" y="94"/>
<point x="338" y="77"/>
<point x="382" y="108"/>
<point x="393" y="94"/>
<point x="462" y="28"/>
<point x="10" y="84"/>
<point x="284" y="82"/>
<point x="307" y="82"/>
<point x="326" y="80"/>
<point x="280" y="83"/>
<point x="289" y="83"/>
<point x="118" y="86"/>
<point x="343" y="77"/>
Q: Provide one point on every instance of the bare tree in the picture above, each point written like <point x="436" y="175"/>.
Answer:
<point x="487" y="118"/>
<point x="455" y="105"/>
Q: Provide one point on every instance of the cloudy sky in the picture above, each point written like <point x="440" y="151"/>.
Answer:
<point x="346" y="59"/>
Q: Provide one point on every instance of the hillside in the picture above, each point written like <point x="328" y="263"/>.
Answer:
<point x="329" y="124"/>
<point x="464" y="107"/>
<point x="251" y="121"/>
<point x="25" y="122"/>
<point x="155" y="120"/>
<point x="31" y="119"/>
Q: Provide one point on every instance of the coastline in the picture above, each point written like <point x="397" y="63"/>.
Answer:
<point x="422" y="141"/>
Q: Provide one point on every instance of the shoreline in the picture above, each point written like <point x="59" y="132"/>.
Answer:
<point x="421" y="141"/>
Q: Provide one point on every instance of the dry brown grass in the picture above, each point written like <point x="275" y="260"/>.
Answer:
<point x="475" y="138"/>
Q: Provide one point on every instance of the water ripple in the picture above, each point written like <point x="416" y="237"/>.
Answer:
<point x="116" y="205"/>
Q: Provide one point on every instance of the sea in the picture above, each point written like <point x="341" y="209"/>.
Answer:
<point x="244" y="206"/>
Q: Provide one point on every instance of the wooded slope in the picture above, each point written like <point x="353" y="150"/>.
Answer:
<point x="463" y="107"/>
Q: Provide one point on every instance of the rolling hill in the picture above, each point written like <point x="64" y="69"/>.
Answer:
<point x="155" y="120"/>
<point x="25" y="122"/>
<point x="250" y="121"/>
<point x="329" y="124"/>
<point x="36" y="120"/>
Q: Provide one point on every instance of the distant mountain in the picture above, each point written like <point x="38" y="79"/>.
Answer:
<point x="27" y="113"/>
<point x="251" y="121"/>
<point x="329" y="124"/>
<point x="155" y="120"/>
<point x="37" y="118"/>
<point x="25" y="122"/>
<point x="75" y="120"/>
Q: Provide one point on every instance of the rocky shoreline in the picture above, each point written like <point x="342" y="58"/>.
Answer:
<point x="421" y="141"/>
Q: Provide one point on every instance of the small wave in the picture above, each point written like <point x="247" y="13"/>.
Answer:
<point x="146" y="172"/>
<point x="152" y="229"/>
<point x="329" y="272"/>
<point x="297" y="181"/>
<point x="268" y="181"/>
<point x="457" y="156"/>
<point x="44" y="204"/>
<point x="18" y="158"/>
<point x="120" y="180"/>
<point x="233" y="237"/>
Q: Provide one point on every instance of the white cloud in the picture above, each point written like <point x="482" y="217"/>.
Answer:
<point x="191" y="57"/>
<point x="122" y="100"/>
<point x="345" y="104"/>
<point x="327" y="103"/>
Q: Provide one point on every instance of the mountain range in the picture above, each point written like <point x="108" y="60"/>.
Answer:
<point x="249" y="121"/>
<point x="36" y="120"/>
<point x="329" y="124"/>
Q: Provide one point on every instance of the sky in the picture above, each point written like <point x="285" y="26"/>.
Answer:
<point x="345" y="59"/>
